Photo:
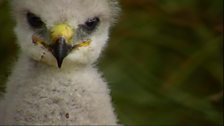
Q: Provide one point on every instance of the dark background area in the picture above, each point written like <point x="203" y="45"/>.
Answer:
<point x="164" y="62"/>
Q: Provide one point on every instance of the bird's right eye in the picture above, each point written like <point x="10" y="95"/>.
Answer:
<point x="34" y="21"/>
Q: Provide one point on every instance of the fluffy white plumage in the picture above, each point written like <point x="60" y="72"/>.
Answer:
<point x="40" y="93"/>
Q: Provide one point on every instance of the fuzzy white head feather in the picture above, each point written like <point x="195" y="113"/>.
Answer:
<point x="88" y="20"/>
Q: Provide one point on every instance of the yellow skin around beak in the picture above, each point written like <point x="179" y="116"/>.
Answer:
<point x="61" y="43"/>
<point x="60" y="30"/>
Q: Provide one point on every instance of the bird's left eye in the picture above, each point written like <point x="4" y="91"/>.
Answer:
<point x="91" y="24"/>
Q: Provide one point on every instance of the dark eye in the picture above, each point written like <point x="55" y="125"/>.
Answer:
<point x="92" y="23"/>
<point x="34" y="21"/>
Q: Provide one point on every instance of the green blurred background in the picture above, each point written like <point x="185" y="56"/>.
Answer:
<point x="164" y="62"/>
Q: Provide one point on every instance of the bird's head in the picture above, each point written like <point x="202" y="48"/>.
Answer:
<point x="63" y="32"/>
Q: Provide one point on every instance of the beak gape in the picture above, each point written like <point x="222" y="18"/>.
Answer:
<point x="60" y="49"/>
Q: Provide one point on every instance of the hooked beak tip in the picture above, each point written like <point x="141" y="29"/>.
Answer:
<point x="60" y="49"/>
<point x="59" y="62"/>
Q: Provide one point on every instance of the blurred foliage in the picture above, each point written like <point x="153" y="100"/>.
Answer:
<point x="164" y="62"/>
<point x="8" y="47"/>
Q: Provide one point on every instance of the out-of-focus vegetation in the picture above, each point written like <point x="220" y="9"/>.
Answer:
<point x="164" y="62"/>
<point x="8" y="47"/>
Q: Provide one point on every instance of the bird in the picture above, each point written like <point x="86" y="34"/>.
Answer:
<point x="55" y="80"/>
